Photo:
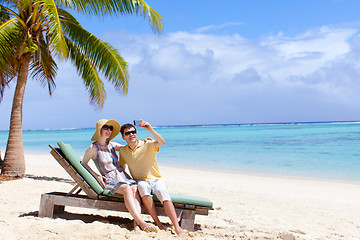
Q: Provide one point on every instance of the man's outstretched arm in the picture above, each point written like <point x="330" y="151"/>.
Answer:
<point x="159" y="140"/>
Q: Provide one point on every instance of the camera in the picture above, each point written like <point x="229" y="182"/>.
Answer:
<point x="137" y="122"/>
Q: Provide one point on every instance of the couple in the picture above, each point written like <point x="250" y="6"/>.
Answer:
<point x="140" y="157"/>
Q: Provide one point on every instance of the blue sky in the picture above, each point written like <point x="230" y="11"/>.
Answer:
<point x="217" y="62"/>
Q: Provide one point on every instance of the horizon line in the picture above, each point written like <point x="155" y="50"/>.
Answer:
<point x="212" y="124"/>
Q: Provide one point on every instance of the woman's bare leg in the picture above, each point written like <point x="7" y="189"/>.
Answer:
<point x="136" y="197"/>
<point x="138" y="204"/>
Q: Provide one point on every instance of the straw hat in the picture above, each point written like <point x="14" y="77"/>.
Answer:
<point x="102" y="122"/>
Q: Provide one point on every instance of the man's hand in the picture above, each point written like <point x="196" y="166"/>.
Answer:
<point x="146" y="125"/>
<point x="148" y="139"/>
<point x="159" y="140"/>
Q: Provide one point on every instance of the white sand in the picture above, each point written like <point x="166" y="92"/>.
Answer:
<point x="246" y="207"/>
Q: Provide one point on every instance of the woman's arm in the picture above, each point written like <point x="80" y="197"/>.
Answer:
<point x="90" y="153"/>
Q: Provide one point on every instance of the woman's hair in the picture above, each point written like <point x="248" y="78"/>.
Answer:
<point x="126" y="126"/>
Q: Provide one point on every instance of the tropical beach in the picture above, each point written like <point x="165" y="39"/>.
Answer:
<point x="257" y="102"/>
<point x="246" y="206"/>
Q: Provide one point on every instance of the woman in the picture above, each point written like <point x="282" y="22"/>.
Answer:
<point x="113" y="177"/>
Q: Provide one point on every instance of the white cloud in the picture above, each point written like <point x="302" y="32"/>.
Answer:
<point x="302" y="74"/>
<point x="193" y="78"/>
<point x="304" y="54"/>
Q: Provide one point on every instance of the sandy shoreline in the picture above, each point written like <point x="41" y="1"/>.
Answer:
<point x="246" y="207"/>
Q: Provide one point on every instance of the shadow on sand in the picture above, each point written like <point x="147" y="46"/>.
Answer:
<point x="90" y="218"/>
<point x="51" y="179"/>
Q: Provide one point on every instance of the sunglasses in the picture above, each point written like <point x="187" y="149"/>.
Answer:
<point x="106" y="127"/>
<point x="130" y="132"/>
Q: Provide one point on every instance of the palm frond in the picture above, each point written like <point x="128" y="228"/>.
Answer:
<point x="9" y="40"/>
<point x="4" y="15"/>
<point x="98" y="7"/>
<point x="102" y="8"/>
<point x="43" y="67"/>
<point x="114" y="67"/>
<point x="155" y="20"/>
<point x="55" y="31"/>
<point x="21" y="7"/>
<point x="105" y="57"/>
<point x="6" y="75"/>
<point x="7" y="30"/>
<point x="89" y="74"/>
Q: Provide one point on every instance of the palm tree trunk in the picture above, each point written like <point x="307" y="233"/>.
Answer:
<point x="14" y="161"/>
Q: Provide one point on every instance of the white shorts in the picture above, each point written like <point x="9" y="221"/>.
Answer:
<point x="155" y="186"/>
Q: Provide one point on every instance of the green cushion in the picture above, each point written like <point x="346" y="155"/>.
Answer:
<point x="75" y="161"/>
<point x="188" y="199"/>
<point x="108" y="193"/>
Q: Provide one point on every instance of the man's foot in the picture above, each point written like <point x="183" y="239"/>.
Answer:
<point x="136" y="227"/>
<point x="150" y="228"/>
<point x="180" y="232"/>
<point x="160" y="226"/>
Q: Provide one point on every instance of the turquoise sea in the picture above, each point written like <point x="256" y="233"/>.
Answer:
<point x="316" y="150"/>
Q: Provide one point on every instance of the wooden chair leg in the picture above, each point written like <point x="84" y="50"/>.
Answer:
<point x="187" y="220"/>
<point x="46" y="206"/>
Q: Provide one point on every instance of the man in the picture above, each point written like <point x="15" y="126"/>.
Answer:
<point x="140" y="157"/>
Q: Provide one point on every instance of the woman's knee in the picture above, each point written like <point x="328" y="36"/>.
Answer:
<point x="125" y="189"/>
<point x="134" y="189"/>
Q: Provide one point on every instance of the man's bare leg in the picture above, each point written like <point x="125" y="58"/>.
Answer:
<point x="150" y="207"/>
<point x="170" y="211"/>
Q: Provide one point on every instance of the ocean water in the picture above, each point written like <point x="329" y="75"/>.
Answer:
<point x="316" y="150"/>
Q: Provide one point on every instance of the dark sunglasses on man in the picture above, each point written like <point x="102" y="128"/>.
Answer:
<point x="130" y="132"/>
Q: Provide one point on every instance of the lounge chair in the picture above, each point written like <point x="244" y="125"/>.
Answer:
<point x="186" y="206"/>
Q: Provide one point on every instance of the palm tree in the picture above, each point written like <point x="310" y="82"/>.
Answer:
<point x="35" y="33"/>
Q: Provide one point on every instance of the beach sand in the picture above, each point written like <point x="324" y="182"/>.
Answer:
<point x="245" y="207"/>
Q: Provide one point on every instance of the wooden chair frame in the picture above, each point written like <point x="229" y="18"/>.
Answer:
<point x="55" y="202"/>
